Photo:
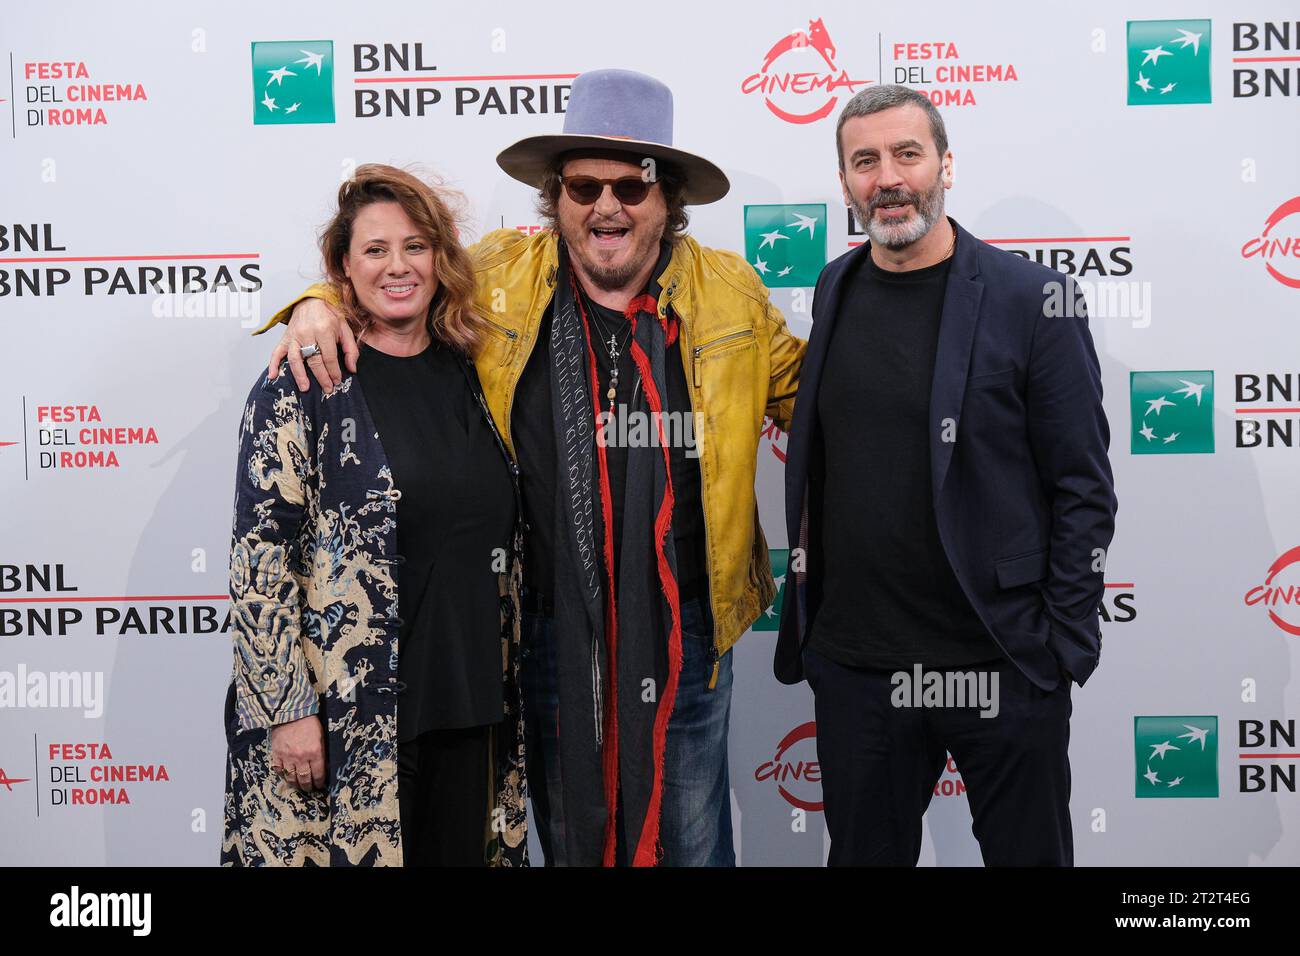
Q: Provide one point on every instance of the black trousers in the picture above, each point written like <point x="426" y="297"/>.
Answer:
<point x="442" y="794"/>
<point x="880" y="763"/>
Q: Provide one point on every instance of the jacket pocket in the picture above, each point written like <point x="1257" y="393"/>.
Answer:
<point x="501" y="339"/>
<point x="1022" y="569"/>
<point x="991" y="379"/>
<point x="721" y="343"/>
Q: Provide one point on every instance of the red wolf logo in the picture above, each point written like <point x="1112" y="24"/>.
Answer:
<point x="807" y="79"/>
<point x="816" y="37"/>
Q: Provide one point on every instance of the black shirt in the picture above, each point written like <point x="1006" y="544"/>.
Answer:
<point x="890" y="598"/>
<point x="534" y="437"/>
<point x="457" y="506"/>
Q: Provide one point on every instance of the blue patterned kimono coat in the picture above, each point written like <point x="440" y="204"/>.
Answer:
<point x="315" y="611"/>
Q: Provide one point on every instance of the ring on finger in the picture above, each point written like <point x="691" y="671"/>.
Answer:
<point x="309" y="350"/>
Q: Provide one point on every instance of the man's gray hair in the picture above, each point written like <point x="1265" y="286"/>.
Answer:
<point x="876" y="98"/>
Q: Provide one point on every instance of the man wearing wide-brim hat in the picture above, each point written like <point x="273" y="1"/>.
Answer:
<point x="629" y="370"/>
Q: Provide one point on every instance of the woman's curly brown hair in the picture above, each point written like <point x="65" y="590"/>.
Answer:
<point x="452" y="318"/>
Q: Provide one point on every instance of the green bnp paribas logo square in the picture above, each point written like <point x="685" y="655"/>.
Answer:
<point x="1168" y="62"/>
<point x="770" y="620"/>
<point x="1176" y="756"/>
<point x="1172" y="412"/>
<point x="293" y="82"/>
<point x="786" y="245"/>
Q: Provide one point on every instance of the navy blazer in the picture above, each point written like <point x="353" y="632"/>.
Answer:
<point x="1023" y="492"/>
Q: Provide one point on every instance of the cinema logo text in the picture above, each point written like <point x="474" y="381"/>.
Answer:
<point x="798" y="79"/>
<point x="37" y="601"/>
<point x="1279" y="250"/>
<point x="77" y="437"/>
<point x="936" y="69"/>
<point x="950" y="783"/>
<point x="794" y="769"/>
<point x="65" y="93"/>
<point x="87" y="775"/>
<point x="1279" y="594"/>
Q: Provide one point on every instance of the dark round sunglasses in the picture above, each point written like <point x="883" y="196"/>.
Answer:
<point x="585" y="190"/>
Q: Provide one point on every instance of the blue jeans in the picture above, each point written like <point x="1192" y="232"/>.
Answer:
<point x="695" y="823"/>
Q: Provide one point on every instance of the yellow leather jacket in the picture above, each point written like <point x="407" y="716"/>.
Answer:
<point x="741" y="363"/>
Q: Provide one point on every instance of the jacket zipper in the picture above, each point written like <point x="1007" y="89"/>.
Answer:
<point x="708" y="551"/>
<point x="508" y="333"/>
<point x="708" y="345"/>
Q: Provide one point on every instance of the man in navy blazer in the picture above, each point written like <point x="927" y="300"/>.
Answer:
<point x="949" y="504"/>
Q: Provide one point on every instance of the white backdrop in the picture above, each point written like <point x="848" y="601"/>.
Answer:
<point x="133" y="146"/>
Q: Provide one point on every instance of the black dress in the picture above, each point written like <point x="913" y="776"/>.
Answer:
<point x="455" y="521"/>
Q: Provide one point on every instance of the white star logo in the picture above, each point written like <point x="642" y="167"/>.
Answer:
<point x="1192" y="389"/>
<point x="294" y="108"/>
<point x="1176" y="781"/>
<point x="1167" y="87"/>
<point x="770" y="238"/>
<point x="1196" y="733"/>
<point x="785" y="272"/>
<point x="269" y="103"/>
<point x="1143" y="82"/>
<point x="1154" y="55"/>
<point x="312" y="59"/>
<point x="761" y="266"/>
<point x="1172" y="437"/>
<point x="804" y="222"/>
<point x="1155" y="404"/>
<point x="1159" y="750"/>
<point x="1152" y="775"/>
<point x="1189" y="39"/>
<point x="277" y="76"/>
<point x="1147" y="433"/>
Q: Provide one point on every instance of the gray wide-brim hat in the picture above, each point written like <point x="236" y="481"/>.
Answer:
<point x="622" y="110"/>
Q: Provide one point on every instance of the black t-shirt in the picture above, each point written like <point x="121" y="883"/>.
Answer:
<point x="534" y="438"/>
<point x="889" y="598"/>
<point x="457" y="506"/>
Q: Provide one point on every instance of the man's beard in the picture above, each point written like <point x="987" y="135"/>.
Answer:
<point x="927" y="208"/>
<point x="612" y="278"/>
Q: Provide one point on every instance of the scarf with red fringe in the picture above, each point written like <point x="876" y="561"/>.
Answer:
<point x="617" y="623"/>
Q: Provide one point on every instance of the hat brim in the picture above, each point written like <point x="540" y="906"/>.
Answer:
<point x="529" y="159"/>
